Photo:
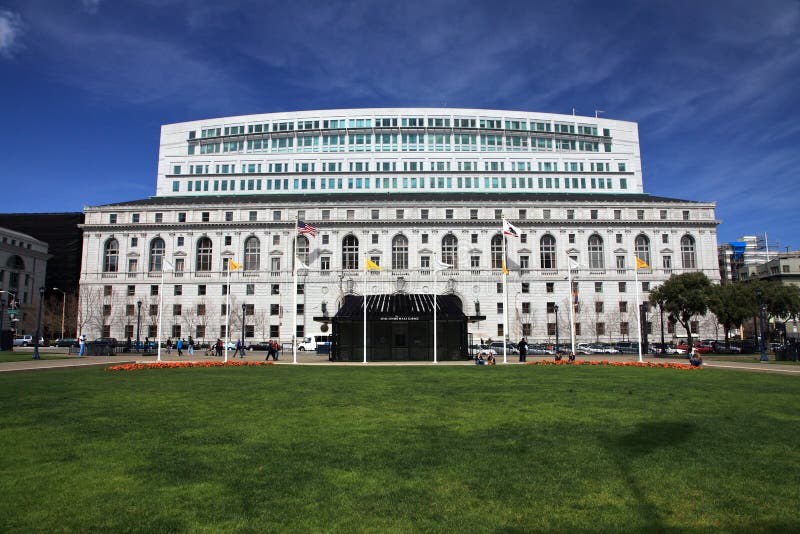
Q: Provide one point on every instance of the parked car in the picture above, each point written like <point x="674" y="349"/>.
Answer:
<point x="627" y="347"/>
<point x="483" y="350"/>
<point x="598" y="348"/>
<point x="511" y="348"/>
<point x="259" y="345"/>
<point x="539" y="349"/>
<point x="698" y="347"/>
<point x="25" y="340"/>
<point x="66" y="343"/>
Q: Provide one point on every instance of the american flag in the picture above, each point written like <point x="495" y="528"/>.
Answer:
<point x="305" y="228"/>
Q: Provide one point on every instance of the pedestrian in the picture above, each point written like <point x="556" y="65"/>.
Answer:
<point x="218" y="347"/>
<point x="82" y="344"/>
<point x="179" y="346"/>
<point x="522" y="346"/>
<point x="239" y="349"/>
<point x="191" y="346"/>
<point x="169" y="346"/>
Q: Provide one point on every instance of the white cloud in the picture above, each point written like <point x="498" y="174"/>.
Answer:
<point x="10" y="30"/>
<point x="91" y="6"/>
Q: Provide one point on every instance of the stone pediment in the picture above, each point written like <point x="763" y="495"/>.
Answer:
<point x="180" y="254"/>
<point x="275" y="252"/>
<point x="524" y="251"/>
<point x="573" y="250"/>
<point x="425" y="251"/>
<point x="133" y="254"/>
<point x="666" y="250"/>
<point x="375" y="251"/>
<point x="620" y="251"/>
<point x="475" y="251"/>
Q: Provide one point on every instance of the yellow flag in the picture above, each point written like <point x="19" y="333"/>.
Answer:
<point x="503" y="266"/>
<point x="372" y="266"/>
<point x="640" y="264"/>
<point x="232" y="265"/>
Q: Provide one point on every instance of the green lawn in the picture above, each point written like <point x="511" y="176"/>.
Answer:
<point x="23" y="355"/>
<point x="400" y="449"/>
<point x="746" y="358"/>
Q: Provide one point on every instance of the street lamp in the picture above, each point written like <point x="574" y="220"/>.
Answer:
<point x="762" y="343"/>
<point x="244" y="307"/>
<point x="663" y="347"/>
<point x="555" y="310"/>
<point x="138" y="321"/>
<point x="63" y="308"/>
<point x="38" y="325"/>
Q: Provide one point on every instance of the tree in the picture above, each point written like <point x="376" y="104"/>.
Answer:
<point x="780" y="301"/>
<point x="732" y="304"/>
<point x="684" y="296"/>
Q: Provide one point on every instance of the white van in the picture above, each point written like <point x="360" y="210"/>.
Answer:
<point x="311" y="342"/>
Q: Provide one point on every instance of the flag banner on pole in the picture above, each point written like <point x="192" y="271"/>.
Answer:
<point x="510" y="229"/>
<point x="232" y="265"/>
<point x="640" y="264"/>
<point x="305" y="228"/>
<point x="372" y="266"/>
<point x="572" y="263"/>
<point x="503" y="266"/>
<point x="300" y="264"/>
<point x="440" y="265"/>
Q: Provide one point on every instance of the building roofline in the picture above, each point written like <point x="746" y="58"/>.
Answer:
<point x="294" y="198"/>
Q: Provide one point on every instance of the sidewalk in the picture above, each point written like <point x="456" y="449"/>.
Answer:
<point x="311" y="358"/>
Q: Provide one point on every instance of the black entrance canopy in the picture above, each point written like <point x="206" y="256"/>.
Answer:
<point x="400" y="327"/>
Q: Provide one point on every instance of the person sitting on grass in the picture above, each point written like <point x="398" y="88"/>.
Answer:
<point x="479" y="360"/>
<point x="558" y="356"/>
<point x="572" y="356"/>
<point x="695" y="360"/>
<point x="490" y="359"/>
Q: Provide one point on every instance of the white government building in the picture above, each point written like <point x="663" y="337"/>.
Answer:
<point x="403" y="187"/>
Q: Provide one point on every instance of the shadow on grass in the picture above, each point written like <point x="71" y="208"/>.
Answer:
<point x="645" y="439"/>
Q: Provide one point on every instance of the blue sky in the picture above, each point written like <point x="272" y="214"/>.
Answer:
<point x="714" y="85"/>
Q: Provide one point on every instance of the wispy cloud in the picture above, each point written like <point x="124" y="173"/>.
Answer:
<point x="91" y="6"/>
<point x="10" y="30"/>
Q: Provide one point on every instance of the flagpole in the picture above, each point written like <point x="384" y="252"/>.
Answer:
<point x="160" y="311"/>
<point x="638" y="312"/>
<point x="504" y="273"/>
<point x="228" y="310"/>
<point x="365" y="306"/>
<point x="294" y="277"/>
<point x="435" y="275"/>
<point x="571" y="307"/>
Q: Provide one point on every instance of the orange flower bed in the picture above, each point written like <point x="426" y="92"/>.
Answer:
<point x="175" y="365"/>
<point x="682" y="366"/>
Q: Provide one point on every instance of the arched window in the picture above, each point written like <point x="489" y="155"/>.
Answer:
<point x="156" y="263"/>
<point x="111" y="256"/>
<point x="204" y="250"/>
<point x="252" y="254"/>
<point x="547" y="254"/>
<point x="642" y="245"/>
<point x="497" y="251"/>
<point x="16" y="263"/>
<point x="596" y="252"/>
<point x="350" y="252"/>
<point x="400" y="252"/>
<point x="687" y="252"/>
<point x="450" y="250"/>
<point x="301" y="252"/>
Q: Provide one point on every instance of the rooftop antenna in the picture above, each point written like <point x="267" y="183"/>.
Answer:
<point x="573" y="112"/>
<point x="597" y="113"/>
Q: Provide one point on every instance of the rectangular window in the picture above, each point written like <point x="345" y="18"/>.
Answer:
<point x="177" y="290"/>
<point x="598" y="287"/>
<point x="201" y="290"/>
<point x="623" y="287"/>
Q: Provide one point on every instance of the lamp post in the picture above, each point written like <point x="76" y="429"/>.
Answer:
<point x="38" y="325"/>
<point x="244" y="307"/>
<point x="2" y="310"/>
<point x="63" y="308"/>
<point x="762" y="342"/>
<point x="555" y="310"/>
<point x="138" y="321"/>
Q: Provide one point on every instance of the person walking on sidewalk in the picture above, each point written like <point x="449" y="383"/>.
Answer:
<point x="191" y="346"/>
<point x="179" y="346"/>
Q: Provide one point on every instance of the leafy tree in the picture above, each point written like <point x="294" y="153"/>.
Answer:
<point x="780" y="301"/>
<point x="732" y="304"/>
<point x="684" y="296"/>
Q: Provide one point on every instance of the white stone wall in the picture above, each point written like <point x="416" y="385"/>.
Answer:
<point x="469" y="284"/>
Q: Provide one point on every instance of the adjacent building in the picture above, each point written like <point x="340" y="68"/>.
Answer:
<point x="405" y="188"/>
